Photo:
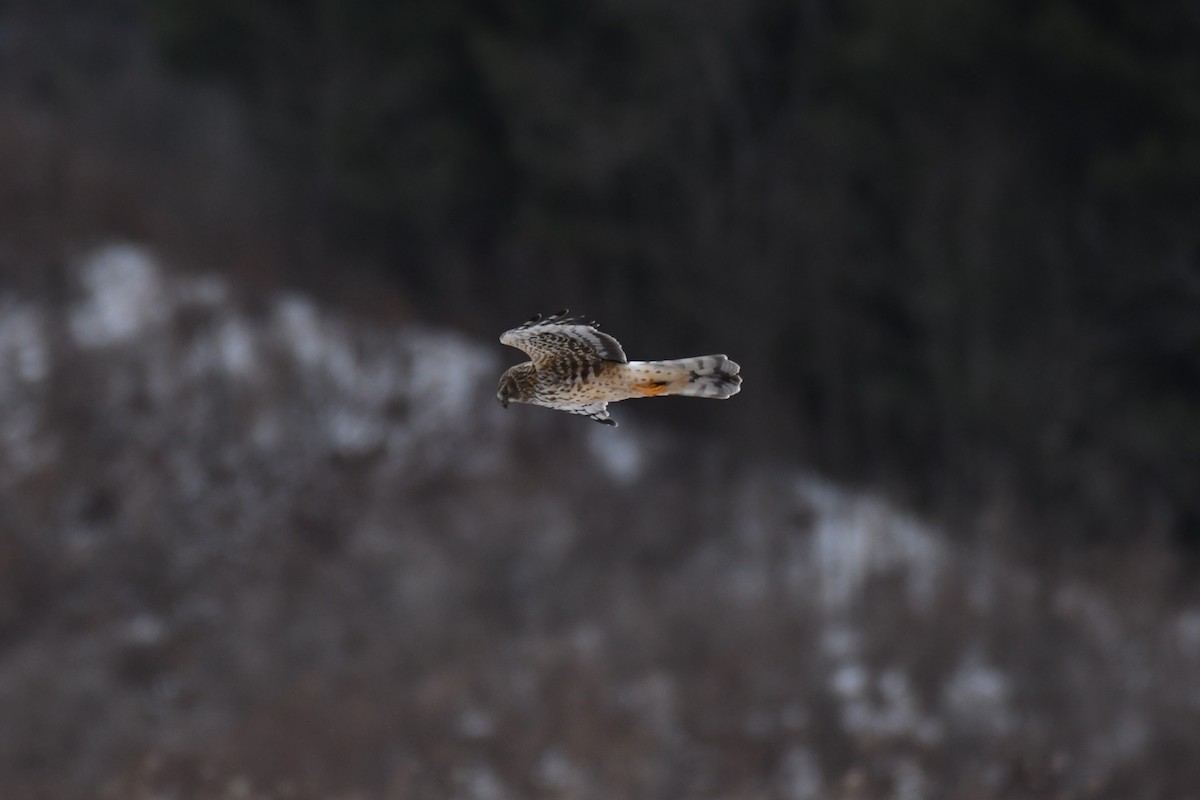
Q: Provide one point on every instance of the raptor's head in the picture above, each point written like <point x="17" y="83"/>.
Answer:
<point x="516" y="384"/>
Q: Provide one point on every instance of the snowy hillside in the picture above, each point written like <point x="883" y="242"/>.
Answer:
<point x="276" y="552"/>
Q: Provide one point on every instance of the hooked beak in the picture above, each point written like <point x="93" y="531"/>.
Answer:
<point x="503" y="403"/>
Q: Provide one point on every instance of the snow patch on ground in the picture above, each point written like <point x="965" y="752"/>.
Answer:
<point x="24" y="348"/>
<point x="123" y="296"/>
<point x="857" y="537"/>
<point x="25" y="362"/>
<point x="977" y="697"/>
<point x="364" y="391"/>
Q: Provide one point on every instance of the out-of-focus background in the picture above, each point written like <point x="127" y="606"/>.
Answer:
<point x="265" y="532"/>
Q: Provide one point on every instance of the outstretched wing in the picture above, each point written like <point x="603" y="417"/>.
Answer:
<point x="558" y="336"/>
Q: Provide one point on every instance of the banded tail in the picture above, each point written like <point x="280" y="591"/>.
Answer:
<point x="702" y="376"/>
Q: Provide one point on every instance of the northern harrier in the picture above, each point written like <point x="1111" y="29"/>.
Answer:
<point x="573" y="367"/>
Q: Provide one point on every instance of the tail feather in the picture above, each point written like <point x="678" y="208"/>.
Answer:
<point x="701" y="376"/>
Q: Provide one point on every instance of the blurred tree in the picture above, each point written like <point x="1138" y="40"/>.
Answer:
<point x="957" y="242"/>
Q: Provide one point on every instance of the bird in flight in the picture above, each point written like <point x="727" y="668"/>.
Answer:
<point x="573" y="367"/>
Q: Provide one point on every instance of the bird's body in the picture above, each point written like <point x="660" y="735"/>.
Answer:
<point x="573" y="367"/>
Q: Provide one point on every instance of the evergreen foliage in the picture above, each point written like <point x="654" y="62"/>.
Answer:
<point x="958" y="244"/>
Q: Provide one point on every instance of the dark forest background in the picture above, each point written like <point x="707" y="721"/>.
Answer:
<point x="954" y="245"/>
